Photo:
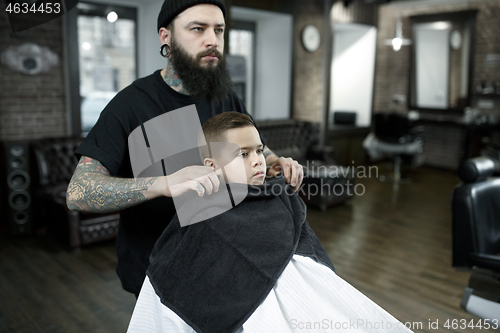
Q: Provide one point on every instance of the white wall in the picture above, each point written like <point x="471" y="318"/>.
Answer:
<point x="353" y="70"/>
<point x="273" y="61"/>
<point x="150" y="59"/>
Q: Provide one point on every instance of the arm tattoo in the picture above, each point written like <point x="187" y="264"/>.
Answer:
<point x="93" y="189"/>
<point x="268" y="152"/>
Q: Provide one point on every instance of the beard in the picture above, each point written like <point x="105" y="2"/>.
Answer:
<point x="210" y="82"/>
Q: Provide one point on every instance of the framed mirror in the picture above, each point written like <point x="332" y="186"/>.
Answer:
<point x="442" y="59"/>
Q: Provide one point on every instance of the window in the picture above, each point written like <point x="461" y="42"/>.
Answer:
<point x="242" y="45"/>
<point x="104" y="40"/>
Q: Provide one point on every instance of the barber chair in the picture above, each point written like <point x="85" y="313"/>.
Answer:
<point x="476" y="236"/>
<point x="492" y="151"/>
<point x="56" y="163"/>
<point x="395" y="135"/>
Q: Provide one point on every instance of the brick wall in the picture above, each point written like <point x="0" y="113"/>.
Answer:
<point x="308" y="67"/>
<point x="392" y="68"/>
<point x="307" y="86"/>
<point x="32" y="106"/>
<point x="443" y="145"/>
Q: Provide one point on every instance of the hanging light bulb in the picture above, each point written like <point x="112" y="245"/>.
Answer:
<point x="398" y="39"/>
<point x="112" y="16"/>
<point x="397" y="43"/>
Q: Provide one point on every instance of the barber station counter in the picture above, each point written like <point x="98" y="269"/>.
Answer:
<point x="448" y="141"/>
<point x="347" y="141"/>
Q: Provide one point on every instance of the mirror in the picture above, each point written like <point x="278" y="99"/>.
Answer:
<point x="442" y="61"/>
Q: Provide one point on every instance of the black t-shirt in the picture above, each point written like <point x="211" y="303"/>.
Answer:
<point x="141" y="225"/>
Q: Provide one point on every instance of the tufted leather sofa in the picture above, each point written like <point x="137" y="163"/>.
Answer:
<point x="325" y="183"/>
<point x="56" y="163"/>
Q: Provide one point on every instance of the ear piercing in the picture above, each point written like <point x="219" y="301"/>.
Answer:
<point x="165" y="53"/>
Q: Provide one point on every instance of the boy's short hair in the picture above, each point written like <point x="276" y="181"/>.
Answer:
<point x="215" y="128"/>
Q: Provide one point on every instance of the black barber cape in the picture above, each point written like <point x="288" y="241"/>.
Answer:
<point x="214" y="274"/>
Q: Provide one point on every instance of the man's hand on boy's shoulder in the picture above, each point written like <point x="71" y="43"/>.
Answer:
<point x="292" y="170"/>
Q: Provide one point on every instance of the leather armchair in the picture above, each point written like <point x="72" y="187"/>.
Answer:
<point x="476" y="235"/>
<point x="56" y="163"/>
<point x="325" y="184"/>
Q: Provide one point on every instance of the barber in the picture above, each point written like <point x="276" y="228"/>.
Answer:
<point x="192" y="40"/>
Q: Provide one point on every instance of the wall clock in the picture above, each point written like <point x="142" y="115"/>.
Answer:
<point x="311" y="38"/>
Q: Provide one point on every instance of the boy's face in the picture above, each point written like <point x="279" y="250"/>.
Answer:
<point x="250" y="154"/>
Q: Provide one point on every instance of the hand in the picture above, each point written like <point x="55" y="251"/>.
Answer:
<point x="292" y="170"/>
<point x="196" y="178"/>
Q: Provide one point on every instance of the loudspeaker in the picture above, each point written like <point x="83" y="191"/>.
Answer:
<point x="19" y="187"/>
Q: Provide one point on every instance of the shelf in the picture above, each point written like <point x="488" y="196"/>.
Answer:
<point x="487" y="95"/>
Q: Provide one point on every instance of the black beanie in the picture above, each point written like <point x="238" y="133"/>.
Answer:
<point x="171" y="8"/>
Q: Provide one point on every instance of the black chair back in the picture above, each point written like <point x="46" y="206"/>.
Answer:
<point x="476" y="216"/>
<point x="392" y="127"/>
<point x="289" y="137"/>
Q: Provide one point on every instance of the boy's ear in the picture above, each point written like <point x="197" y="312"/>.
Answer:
<point x="209" y="162"/>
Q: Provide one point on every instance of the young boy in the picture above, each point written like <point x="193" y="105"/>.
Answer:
<point x="232" y="142"/>
<point x="257" y="267"/>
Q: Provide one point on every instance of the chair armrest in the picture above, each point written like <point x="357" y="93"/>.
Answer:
<point x="326" y="154"/>
<point x="56" y="193"/>
<point x="487" y="261"/>
<point x="417" y="130"/>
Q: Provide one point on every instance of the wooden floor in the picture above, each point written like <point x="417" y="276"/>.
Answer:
<point x="393" y="243"/>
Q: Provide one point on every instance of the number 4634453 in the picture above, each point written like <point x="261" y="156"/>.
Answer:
<point x="25" y="8"/>
<point x="463" y="324"/>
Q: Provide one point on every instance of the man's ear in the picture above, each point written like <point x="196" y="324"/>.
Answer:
<point x="165" y="35"/>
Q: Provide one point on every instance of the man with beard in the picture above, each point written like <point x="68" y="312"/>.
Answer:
<point x="192" y="36"/>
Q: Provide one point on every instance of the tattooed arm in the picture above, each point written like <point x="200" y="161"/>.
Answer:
<point x="269" y="156"/>
<point x="93" y="189"/>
